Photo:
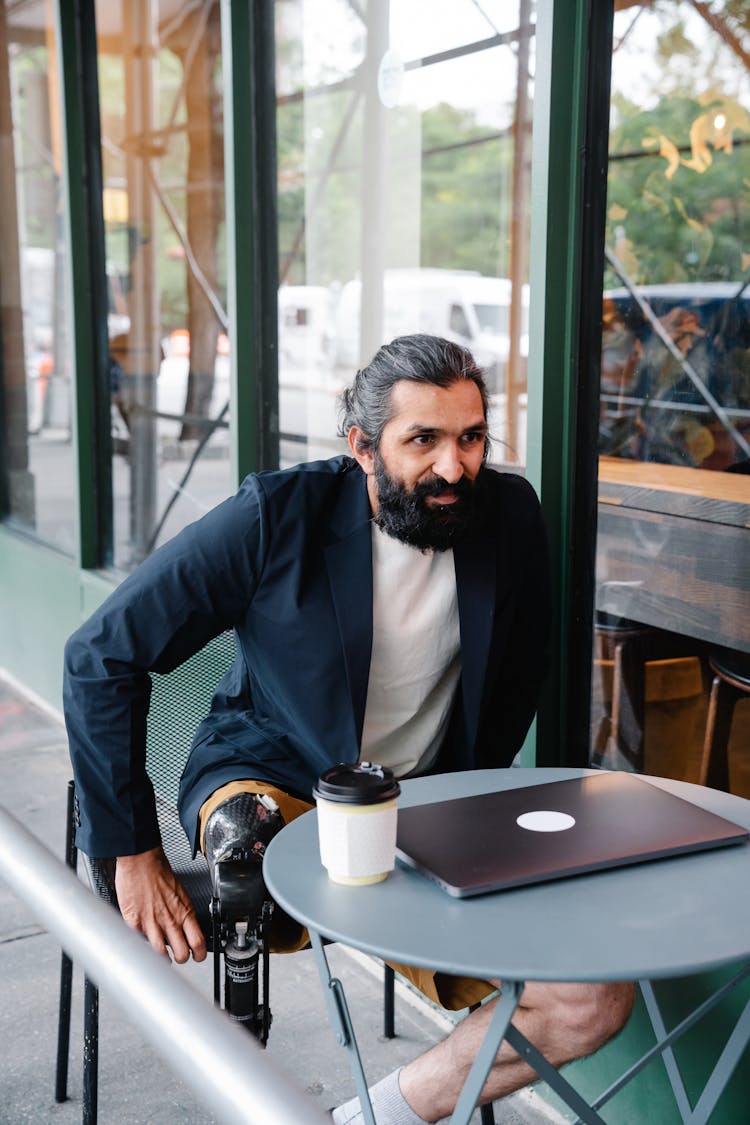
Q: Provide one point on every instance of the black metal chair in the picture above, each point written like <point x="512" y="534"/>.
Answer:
<point x="179" y="701"/>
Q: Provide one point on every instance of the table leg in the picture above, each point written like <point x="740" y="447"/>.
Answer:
<point x="727" y="1062"/>
<point x="670" y="1062"/>
<point x="493" y="1038"/>
<point x="551" y="1075"/>
<point x="342" y="1024"/>
<point x="723" y="1070"/>
<point x="500" y="1028"/>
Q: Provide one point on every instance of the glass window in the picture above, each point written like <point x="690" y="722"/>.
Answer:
<point x="39" y="468"/>
<point x="673" y="569"/>
<point x="404" y="152"/>
<point x="160" y="91"/>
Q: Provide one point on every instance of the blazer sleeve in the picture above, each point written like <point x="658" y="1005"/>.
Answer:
<point x="190" y="590"/>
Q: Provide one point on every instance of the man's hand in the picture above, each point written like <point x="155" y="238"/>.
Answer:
<point x="156" y="904"/>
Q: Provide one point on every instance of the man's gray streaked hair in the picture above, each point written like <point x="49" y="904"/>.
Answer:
<point x="367" y="403"/>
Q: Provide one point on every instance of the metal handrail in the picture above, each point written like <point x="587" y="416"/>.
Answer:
<point x="225" y="1068"/>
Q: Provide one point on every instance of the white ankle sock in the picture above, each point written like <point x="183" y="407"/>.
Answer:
<point x="388" y="1103"/>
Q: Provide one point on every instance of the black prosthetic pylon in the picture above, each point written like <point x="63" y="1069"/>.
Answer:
<point x="236" y="836"/>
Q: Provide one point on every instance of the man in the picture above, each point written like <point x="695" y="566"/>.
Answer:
<point x="392" y="605"/>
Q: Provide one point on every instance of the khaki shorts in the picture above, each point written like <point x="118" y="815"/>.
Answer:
<point x="287" y="936"/>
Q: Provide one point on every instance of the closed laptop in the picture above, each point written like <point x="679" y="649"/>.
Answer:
<point x="494" y="841"/>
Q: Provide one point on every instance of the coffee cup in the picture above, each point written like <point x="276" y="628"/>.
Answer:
<point x="357" y="822"/>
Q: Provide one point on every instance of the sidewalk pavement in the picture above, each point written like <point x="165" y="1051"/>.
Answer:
<point x="135" y="1085"/>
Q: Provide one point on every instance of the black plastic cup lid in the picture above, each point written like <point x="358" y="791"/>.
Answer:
<point x="364" y="783"/>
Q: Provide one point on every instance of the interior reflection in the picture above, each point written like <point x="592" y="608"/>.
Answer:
<point x="671" y="666"/>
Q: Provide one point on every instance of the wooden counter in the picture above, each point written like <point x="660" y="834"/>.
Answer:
<point x="674" y="549"/>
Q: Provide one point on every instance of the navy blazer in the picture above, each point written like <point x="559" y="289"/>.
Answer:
<point x="287" y="564"/>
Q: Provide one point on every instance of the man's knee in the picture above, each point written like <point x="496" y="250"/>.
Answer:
<point x="592" y="1014"/>
<point x="585" y="1016"/>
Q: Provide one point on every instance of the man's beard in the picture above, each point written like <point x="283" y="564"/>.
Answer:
<point x="405" y="514"/>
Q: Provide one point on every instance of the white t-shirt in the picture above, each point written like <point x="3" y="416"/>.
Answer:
<point x="416" y="654"/>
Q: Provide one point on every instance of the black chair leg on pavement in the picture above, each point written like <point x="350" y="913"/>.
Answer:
<point x="389" y="985"/>
<point x="66" y="968"/>
<point x="63" y="1029"/>
<point x="90" y="1052"/>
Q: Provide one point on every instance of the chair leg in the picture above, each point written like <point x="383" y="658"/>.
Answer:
<point x="63" y="1029"/>
<point x="628" y="701"/>
<point x="600" y="741"/>
<point x="389" y="988"/>
<point x="90" y="1052"/>
<point x="66" y="968"/>
<point x="715" y="761"/>
<point x="216" y="947"/>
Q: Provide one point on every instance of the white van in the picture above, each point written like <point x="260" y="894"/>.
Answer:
<point x="305" y="329"/>
<point x="460" y="305"/>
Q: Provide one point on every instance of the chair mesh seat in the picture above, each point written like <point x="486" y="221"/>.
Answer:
<point x="180" y="700"/>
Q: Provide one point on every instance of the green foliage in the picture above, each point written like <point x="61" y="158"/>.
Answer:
<point x="680" y="191"/>
<point x="290" y="149"/>
<point x="679" y="179"/>
<point x="464" y="201"/>
<point x="465" y="193"/>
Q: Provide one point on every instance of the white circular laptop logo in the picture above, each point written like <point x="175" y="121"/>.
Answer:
<point x="545" y="820"/>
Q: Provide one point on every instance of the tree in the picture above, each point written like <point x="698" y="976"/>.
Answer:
<point x="465" y="193"/>
<point x="680" y="191"/>
<point x="199" y="54"/>
<point x="464" y="197"/>
<point x="679" y="180"/>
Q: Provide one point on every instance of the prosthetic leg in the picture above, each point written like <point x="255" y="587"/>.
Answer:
<point x="236" y="836"/>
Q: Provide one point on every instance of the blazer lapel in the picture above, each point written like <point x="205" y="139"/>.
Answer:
<point x="348" y="557"/>
<point x="476" y="585"/>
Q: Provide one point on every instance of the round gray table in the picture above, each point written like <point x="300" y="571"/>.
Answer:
<point x="664" y="918"/>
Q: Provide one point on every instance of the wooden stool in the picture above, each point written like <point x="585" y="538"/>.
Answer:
<point x="731" y="681"/>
